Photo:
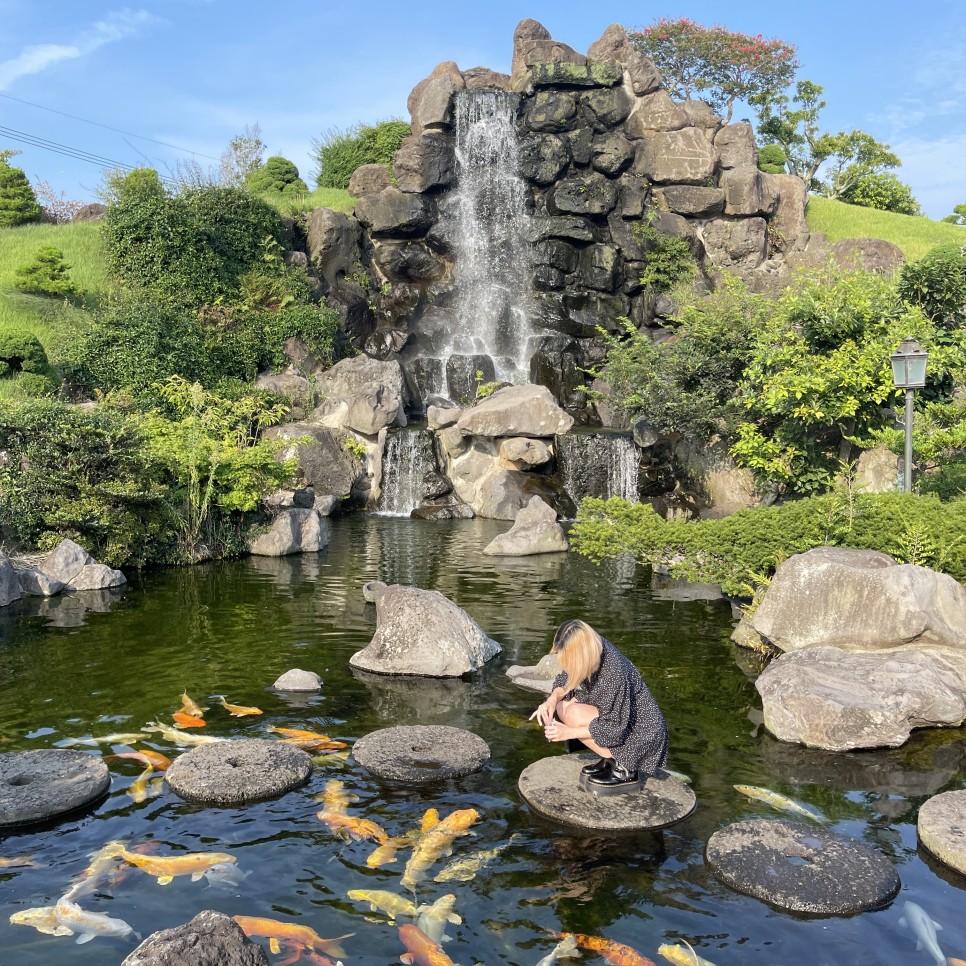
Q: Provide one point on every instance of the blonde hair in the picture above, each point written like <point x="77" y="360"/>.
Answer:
<point x="578" y="648"/>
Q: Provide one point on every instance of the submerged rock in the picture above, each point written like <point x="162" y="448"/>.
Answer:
<point x="298" y="680"/>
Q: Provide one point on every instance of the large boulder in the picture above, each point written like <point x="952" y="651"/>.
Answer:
<point x="516" y="411"/>
<point x="9" y="584"/>
<point x="831" y="698"/>
<point x="421" y="632"/>
<point x="333" y="243"/>
<point x="676" y="157"/>
<point x="430" y="102"/>
<point x="210" y="939"/>
<point x="395" y="214"/>
<point x="76" y="569"/>
<point x="869" y="255"/>
<point x="614" y="46"/>
<point x="425" y="162"/>
<point x="363" y="394"/>
<point x="859" y="600"/>
<point x="293" y="530"/>
<point x="535" y="530"/>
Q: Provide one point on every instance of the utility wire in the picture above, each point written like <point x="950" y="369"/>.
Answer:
<point x="108" y="127"/>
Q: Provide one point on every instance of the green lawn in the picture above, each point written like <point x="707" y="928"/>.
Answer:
<point x="333" y="198"/>
<point x="915" y="236"/>
<point x="79" y="241"/>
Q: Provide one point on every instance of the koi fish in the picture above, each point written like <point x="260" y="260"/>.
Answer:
<point x="465" y="869"/>
<point x="432" y="919"/>
<point x="682" y="955"/>
<point x="120" y="739"/>
<point x="615" y="953"/>
<point x="165" y="868"/>
<point x="336" y="799"/>
<point x="104" y="864"/>
<point x="924" y="929"/>
<point x="273" y="930"/>
<point x="183" y="720"/>
<point x="310" y="740"/>
<point x="336" y="759"/>
<point x="224" y="874"/>
<point x="153" y="758"/>
<point x="435" y="842"/>
<point x="43" y="919"/>
<point x="297" y="953"/>
<point x="386" y="853"/>
<point x="430" y="818"/>
<point x="238" y="710"/>
<point x="778" y="801"/>
<point x="565" y="949"/>
<point x="87" y="925"/>
<point x="420" y="949"/>
<point x="179" y="737"/>
<point x="355" y="828"/>
<point x="19" y="862"/>
<point x="138" y="789"/>
<point x="381" y="900"/>
<point x="190" y="707"/>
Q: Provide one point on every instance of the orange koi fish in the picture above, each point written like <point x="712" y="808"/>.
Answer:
<point x="273" y="930"/>
<point x="148" y="757"/>
<point x="355" y="828"/>
<point x="184" y="720"/>
<point x="302" y="954"/>
<point x="238" y="710"/>
<point x="336" y="798"/>
<point x="615" y="953"/>
<point x="436" y="842"/>
<point x="190" y="707"/>
<point x="313" y="740"/>
<point x="420" y="949"/>
<point x="166" y="867"/>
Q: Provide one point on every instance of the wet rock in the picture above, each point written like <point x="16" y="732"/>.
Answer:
<point x="371" y="589"/>
<point x="860" y="600"/>
<point x="417" y="754"/>
<point x="551" y="111"/>
<point x="801" y="868"/>
<point x="551" y="786"/>
<point x="536" y="677"/>
<point x="826" y="697"/>
<point x="543" y="157"/>
<point x="574" y="229"/>
<point x="407" y="261"/>
<point x="516" y="411"/>
<point x="238" y="771"/>
<point x="941" y="822"/>
<point x="298" y="680"/>
<point x="209" y="939"/>
<point x="45" y="784"/>
<point x="582" y="194"/>
<point x="293" y="530"/>
<point x="10" y="588"/>
<point x="600" y="268"/>
<point x="534" y="531"/>
<point x="422" y="632"/>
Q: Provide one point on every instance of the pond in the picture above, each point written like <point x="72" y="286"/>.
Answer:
<point x="231" y="629"/>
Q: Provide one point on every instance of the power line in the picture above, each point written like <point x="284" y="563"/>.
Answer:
<point x="108" y="127"/>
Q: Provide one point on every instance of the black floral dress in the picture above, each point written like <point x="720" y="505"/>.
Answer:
<point x="629" y="722"/>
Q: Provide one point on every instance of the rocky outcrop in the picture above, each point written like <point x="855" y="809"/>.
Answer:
<point x="516" y="411"/>
<point x="293" y="530"/>
<point x="71" y="565"/>
<point x="326" y="465"/>
<point x="535" y="530"/>
<point x="362" y="394"/>
<point x="421" y="632"/>
<point x="209" y="939"/>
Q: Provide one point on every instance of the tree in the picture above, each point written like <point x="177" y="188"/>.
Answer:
<point x="47" y="274"/>
<point x="857" y="156"/>
<point x="57" y="208"/>
<point x="958" y="217"/>
<point x="18" y="203"/>
<point x="883" y="191"/>
<point x="242" y="157"/>
<point x="719" y="65"/>
<point x="277" y="174"/>
<point x="127" y="185"/>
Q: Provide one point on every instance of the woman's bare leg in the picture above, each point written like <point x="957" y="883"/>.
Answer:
<point x="576" y="715"/>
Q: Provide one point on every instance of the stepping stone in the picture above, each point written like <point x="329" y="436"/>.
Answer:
<point x="942" y="828"/>
<point x="421" y="753"/>
<point x="37" y="786"/>
<point x="551" y="786"/>
<point x="801" y="868"/>
<point x="239" y="771"/>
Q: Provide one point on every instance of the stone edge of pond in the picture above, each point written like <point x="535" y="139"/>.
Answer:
<point x="941" y="825"/>
<point x="417" y="754"/>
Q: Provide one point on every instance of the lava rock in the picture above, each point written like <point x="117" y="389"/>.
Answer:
<point x="210" y="939"/>
<point x="421" y="753"/>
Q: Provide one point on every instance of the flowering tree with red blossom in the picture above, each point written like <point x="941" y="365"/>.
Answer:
<point x="719" y="65"/>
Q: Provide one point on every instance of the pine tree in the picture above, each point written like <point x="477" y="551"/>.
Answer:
<point x="47" y="274"/>
<point x="18" y="203"/>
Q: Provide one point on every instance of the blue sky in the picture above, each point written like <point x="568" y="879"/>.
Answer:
<point x="194" y="73"/>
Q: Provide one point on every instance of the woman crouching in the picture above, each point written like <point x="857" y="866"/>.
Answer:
<point x="601" y="699"/>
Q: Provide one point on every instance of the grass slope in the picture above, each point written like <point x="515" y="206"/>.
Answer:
<point x="915" y="236"/>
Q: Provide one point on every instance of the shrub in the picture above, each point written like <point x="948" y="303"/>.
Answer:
<point x="120" y="185"/>
<point x="772" y="158"/>
<point x="23" y="358"/>
<point x="883" y="191"/>
<point x="18" y="203"/>
<point x="277" y="174"/>
<point x="937" y="285"/>
<point x="339" y="153"/>
<point x="668" y="259"/>
<point x="47" y="274"/>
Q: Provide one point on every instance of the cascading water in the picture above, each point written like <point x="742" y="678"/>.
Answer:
<point x="488" y="221"/>
<point x="598" y="464"/>
<point x="407" y="459"/>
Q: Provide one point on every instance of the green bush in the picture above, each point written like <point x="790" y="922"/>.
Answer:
<point x="668" y="259"/>
<point x="339" y="153"/>
<point x="47" y="274"/>
<point x="23" y="359"/>
<point x="741" y="551"/>
<point x="772" y="158"/>
<point x="278" y="175"/>
<point x="937" y="285"/>
<point x="18" y="203"/>
<point x="883" y="191"/>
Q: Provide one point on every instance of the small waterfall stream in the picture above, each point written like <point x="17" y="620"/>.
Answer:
<point x="598" y="464"/>
<point x="407" y="459"/>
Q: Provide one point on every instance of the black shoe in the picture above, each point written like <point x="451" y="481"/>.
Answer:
<point x="599" y="767"/>
<point x="614" y="776"/>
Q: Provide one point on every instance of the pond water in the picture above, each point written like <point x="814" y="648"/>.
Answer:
<point x="233" y="628"/>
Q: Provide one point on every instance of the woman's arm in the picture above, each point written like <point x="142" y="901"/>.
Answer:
<point x="546" y="711"/>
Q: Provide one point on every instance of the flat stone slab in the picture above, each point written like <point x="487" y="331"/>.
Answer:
<point x="238" y="771"/>
<point x="421" y="753"/>
<point x="551" y="786"/>
<point x="37" y="786"/>
<point x="942" y="828"/>
<point x="801" y="868"/>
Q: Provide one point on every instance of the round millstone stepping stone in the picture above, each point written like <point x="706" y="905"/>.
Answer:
<point x="239" y="771"/>
<point x="38" y="786"/>
<point x="942" y="828"/>
<point x="801" y="868"/>
<point x="421" y="753"/>
<point x="551" y="786"/>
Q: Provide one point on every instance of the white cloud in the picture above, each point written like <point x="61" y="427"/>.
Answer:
<point x="36" y="58"/>
<point x="934" y="169"/>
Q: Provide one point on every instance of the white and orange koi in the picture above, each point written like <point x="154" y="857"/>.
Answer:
<point x="148" y="757"/>
<point x="179" y="737"/>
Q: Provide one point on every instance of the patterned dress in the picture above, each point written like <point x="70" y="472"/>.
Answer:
<point x="629" y="722"/>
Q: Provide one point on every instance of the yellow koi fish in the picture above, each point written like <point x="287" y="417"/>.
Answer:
<point x="274" y="931"/>
<point x="381" y="900"/>
<point x="310" y="740"/>
<point x="682" y="955"/>
<point x="432" y="919"/>
<point x="336" y="799"/>
<point x="238" y="710"/>
<point x="190" y="707"/>
<point x="386" y="853"/>
<point x="104" y="865"/>
<point x="335" y="759"/>
<point x="148" y="757"/>
<point x="420" y="949"/>
<point x="430" y="818"/>
<point x="355" y="828"/>
<point x="775" y="800"/>
<point x="138" y="789"/>
<point x="127" y="738"/>
<point x="165" y="868"/>
<point x="179" y="737"/>
<point x="436" y="842"/>
<point x="87" y="925"/>
<point x="465" y="869"/>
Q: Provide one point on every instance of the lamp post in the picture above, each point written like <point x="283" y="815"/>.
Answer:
<point x="909" y="373"/>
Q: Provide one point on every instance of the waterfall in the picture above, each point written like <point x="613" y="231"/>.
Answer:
<point x="488" y="222"/>
<point x="598" y="464"/>
<point x="408" y="457"/>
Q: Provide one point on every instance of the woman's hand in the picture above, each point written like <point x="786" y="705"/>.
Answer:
<point x="555" y="731"/>
<point x="544" y="714"/>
